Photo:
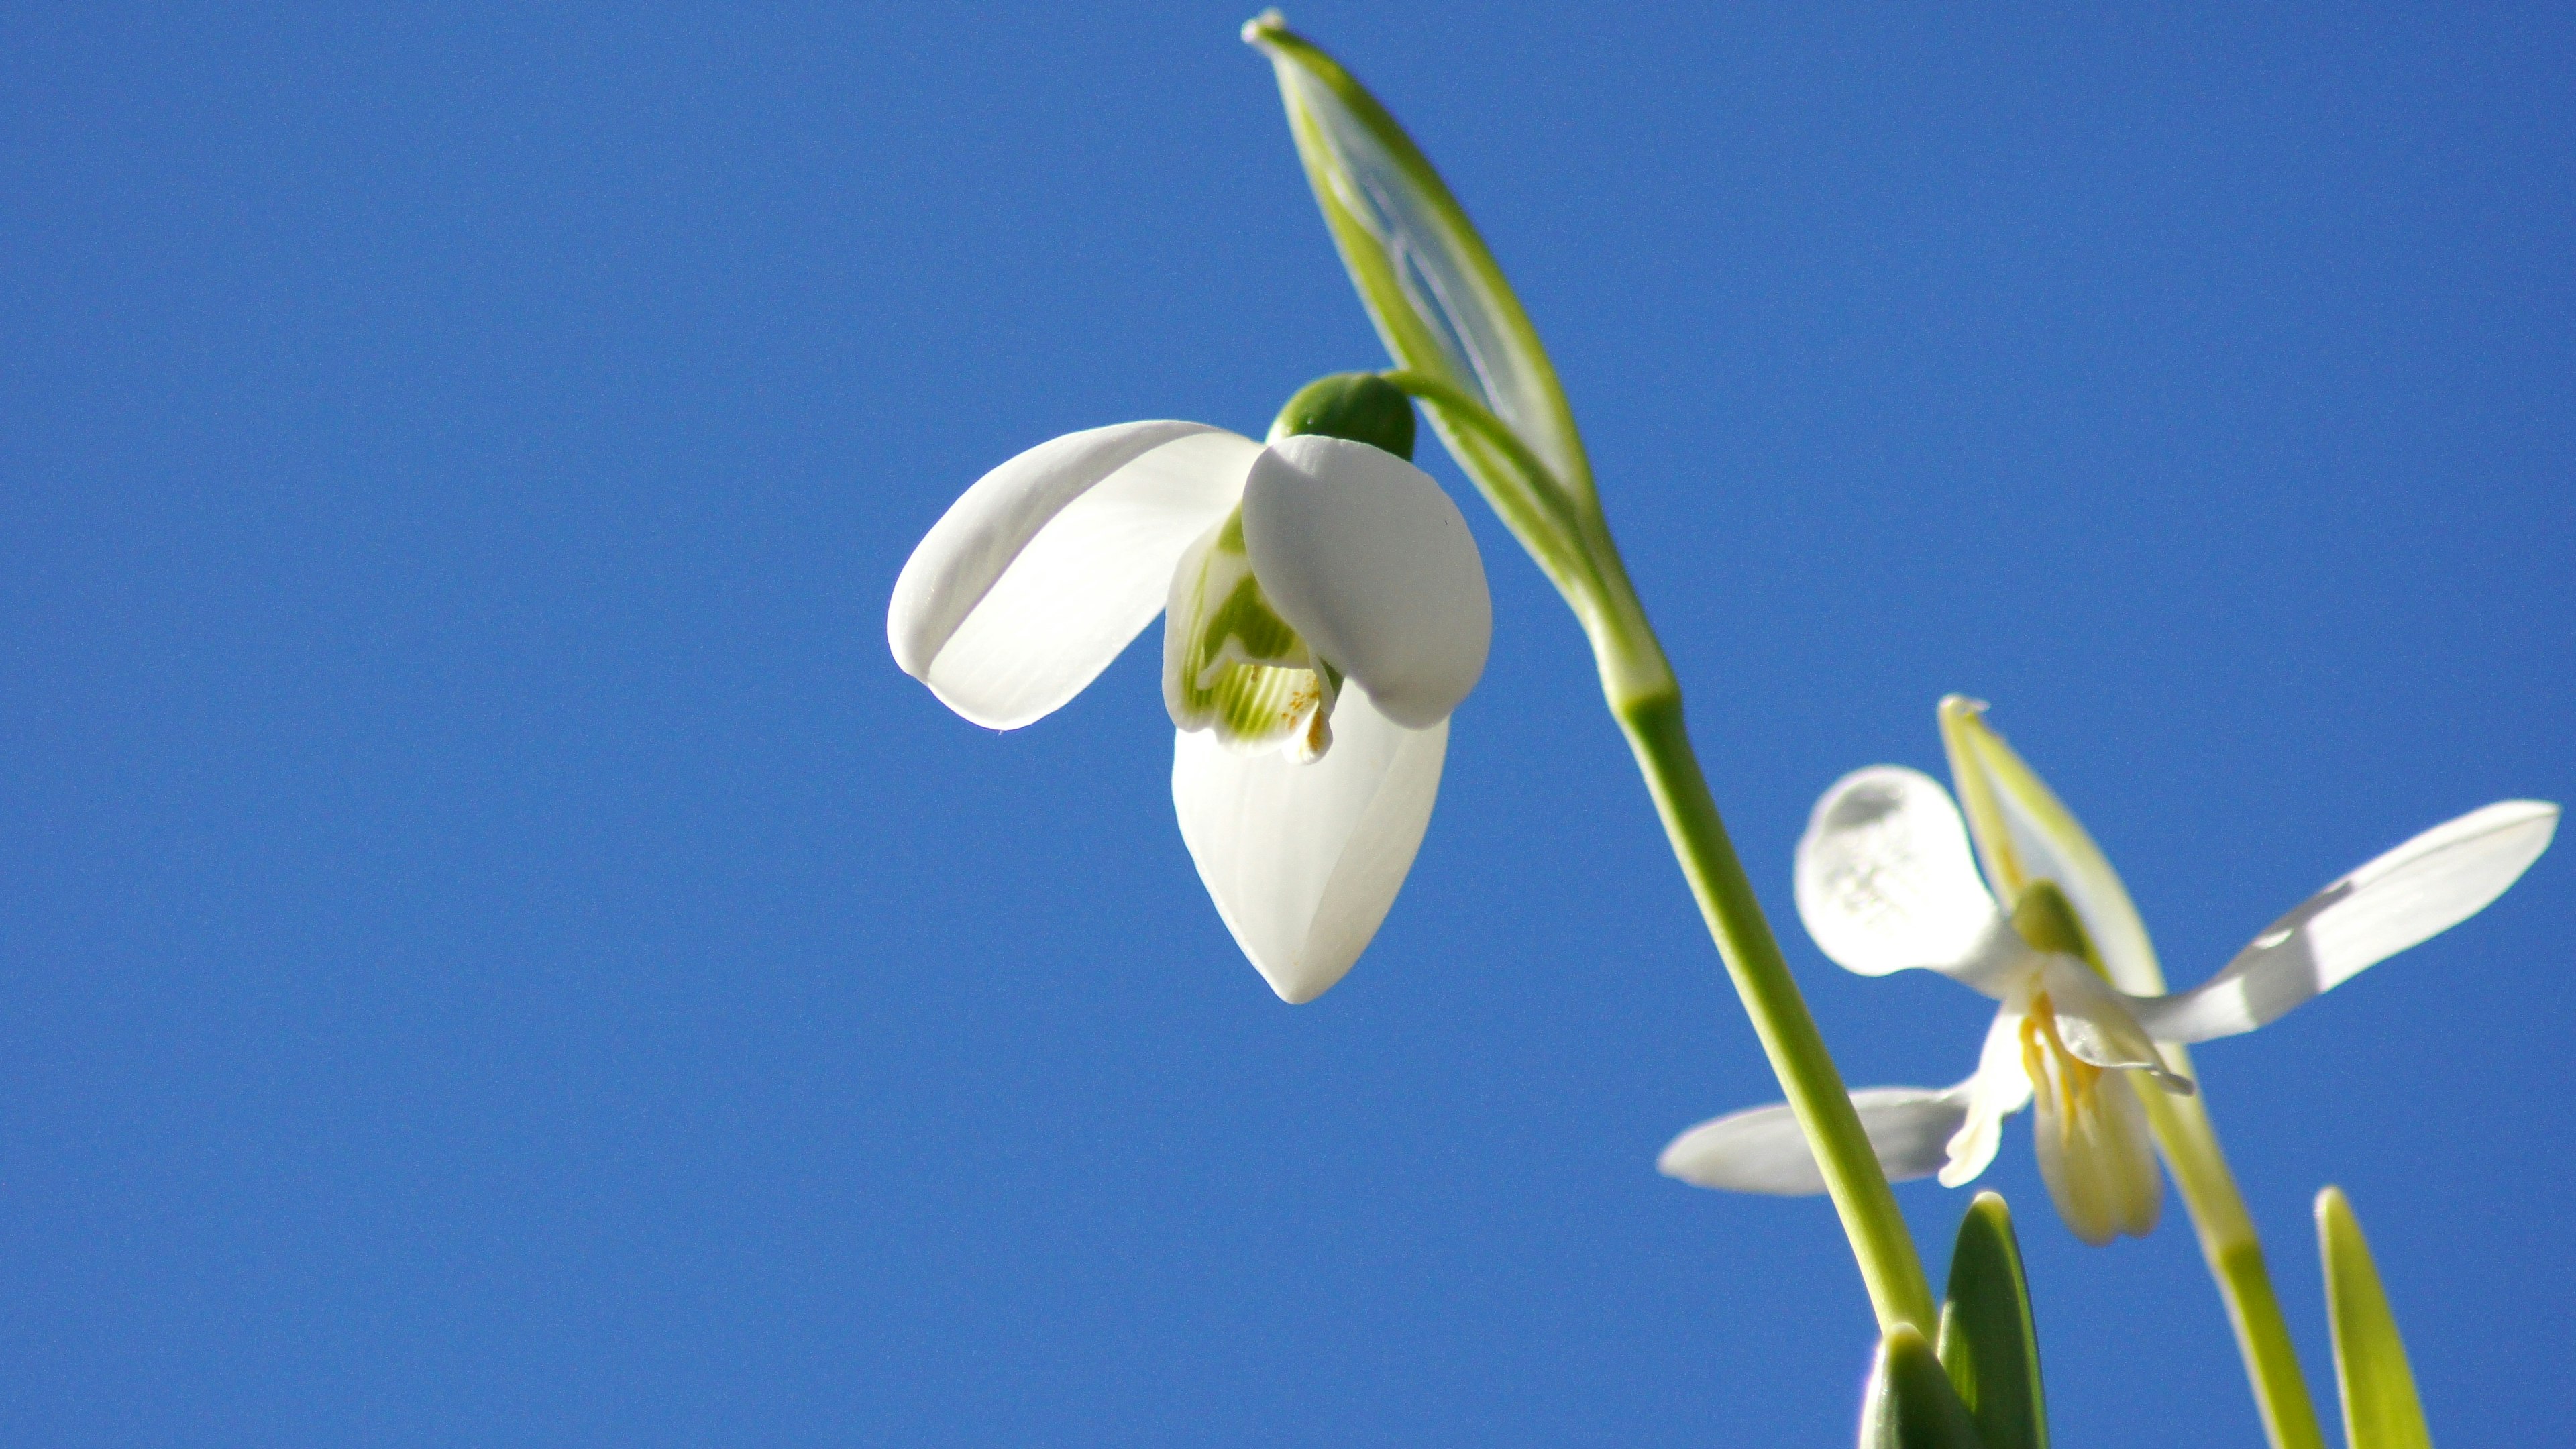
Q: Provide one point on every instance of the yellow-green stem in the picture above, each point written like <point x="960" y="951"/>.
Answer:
<point x="1566" y="534"/>
<point x="1888" y="1265"/>
<point x="2235" y="1256"/>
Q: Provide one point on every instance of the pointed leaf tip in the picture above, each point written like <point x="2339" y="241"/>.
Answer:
<point x="2380" y="1409"/>
<point x="1909" y="1403"/>
<point x="1989" y="1342"/>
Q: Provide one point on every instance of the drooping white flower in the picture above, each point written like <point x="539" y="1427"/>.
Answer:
<point x="1327" y="610"/>
<point x="1886" y="881"/>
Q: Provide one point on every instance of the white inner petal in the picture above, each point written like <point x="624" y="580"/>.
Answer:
<point x="1999" y="1088"/>
<point x="2092" y="1137"/>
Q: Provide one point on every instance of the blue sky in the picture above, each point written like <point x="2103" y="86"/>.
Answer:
<point x="495" y="951"/>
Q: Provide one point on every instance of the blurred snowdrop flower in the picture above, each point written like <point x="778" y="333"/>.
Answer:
<point x="1886" y="882"/>
<point x="1325" y="611"/>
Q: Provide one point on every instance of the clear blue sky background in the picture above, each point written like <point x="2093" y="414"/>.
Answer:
<point x="496" y="953"/>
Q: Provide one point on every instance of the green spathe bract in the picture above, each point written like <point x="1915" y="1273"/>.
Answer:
<point x="1360" y="406"/>
<point x="1468" y="353"/>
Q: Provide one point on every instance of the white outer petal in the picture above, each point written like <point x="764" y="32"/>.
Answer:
<point x="1999" y="1089"/>
<point x="1761" y="1149"/>
<point x="1303" y="861"/>
<point x="2412" y="893"/>
<point x="1040" y="573"/>
<point x="1367" y="559"/>
<point x="1885" y="882"/>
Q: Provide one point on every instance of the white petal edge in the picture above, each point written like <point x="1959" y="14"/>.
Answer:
<point x="1761" y="1150"/>
<point x="2098" y="1027"/>
<point x="2406" y="896"/>
<point x="1885" y="882"/>
<point x="1364" y="555"/>
<point x="1304" y="861"/>
<point x="1999" y="1089"/>
<point x="1043" y="570"/>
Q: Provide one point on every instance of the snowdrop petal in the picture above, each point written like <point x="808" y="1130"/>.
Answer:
<point x="2096" y="1024"/>
<point x="1304" y="860"/>
<point x="1885" y="882"/>
<point x="1040" y="573"/>
<point x="2024" y="833"/>
<point x="1367" y="559"/>
<point x="2000" y="1088"/>
<point x="2414" y="892"/>
<point x="2095" y="1156"/>
<point x="1761" y="1149"/>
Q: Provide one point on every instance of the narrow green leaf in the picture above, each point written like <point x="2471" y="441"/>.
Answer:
<point x="1440" y="303"/>
<point x="1909" y="1403"/>
<point x="2380" y="1410"/>
<point x="1989" y="1343"/>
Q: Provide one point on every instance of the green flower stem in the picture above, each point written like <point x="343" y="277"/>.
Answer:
<point x="1647" y="701"/>
<point x="1888" y="1265"/>
<point x="2235" y="1256"/>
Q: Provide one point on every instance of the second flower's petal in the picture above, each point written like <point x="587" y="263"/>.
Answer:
<point x="2097" y="1159"/>
<point x="1304" y="860"/>
<point x="1762" y="1149"/>
<point x="1885" y="882"/>
<point x="2414" y="892"/>
<point x="1364" y="555"/>
<point x="2000" y="1088"/>
<point x="2096" y="1024"/>
<point x="1039" y="574"/>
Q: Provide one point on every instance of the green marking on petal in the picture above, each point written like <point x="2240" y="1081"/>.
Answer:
<point x="1231" y="664"/>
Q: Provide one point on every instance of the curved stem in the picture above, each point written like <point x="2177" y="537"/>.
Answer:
<point x="1879" y="1240"/>
<point x="1647" y="701"/>
<point x="2235" y="1256"/>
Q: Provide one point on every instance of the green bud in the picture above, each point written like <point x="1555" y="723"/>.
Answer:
<point x="1360" y="406"/>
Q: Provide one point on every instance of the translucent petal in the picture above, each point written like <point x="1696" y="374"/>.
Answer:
<point x="1885" y="882"/>
<point x="2024" y="833"/>
<point x="2094" y="1150"/>
<point x="1374" y="566"/>
<point x="1039" y="574"/>
<point x="2000" y="1088"/>
<point x="1304" y="860"/>
<point x="2414" y="892"/>
<point x="2095" y="1023"/>
<point x="1761" y="1149"/>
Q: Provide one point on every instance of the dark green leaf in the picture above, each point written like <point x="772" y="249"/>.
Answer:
<point x="1989" y="1344"/>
